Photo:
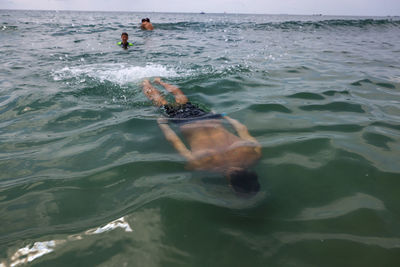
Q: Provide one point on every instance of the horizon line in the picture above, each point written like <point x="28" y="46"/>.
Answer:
<point x="199" y="12"/>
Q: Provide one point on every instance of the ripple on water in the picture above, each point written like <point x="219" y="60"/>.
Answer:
<point x="264" y="108"/>
<point x="333" y="92"/>
<point x="335" y="107"/>
<point x="378" y="140"/>
<point x="306" y="95"/>
<point x="388" y="85"/>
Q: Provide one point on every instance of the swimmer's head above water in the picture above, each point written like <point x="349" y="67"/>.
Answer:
<point x="146" y="24"/>
<point x="124" y="41"/>
<point x="124" y="37"/>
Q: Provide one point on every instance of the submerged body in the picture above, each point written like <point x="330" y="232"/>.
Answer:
<point x="212" y="146"/>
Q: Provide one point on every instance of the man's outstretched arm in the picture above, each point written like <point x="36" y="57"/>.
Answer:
<point x="171" y="136"/>
<point x="243" y="132"/>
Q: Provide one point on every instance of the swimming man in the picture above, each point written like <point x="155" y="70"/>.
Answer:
<point x="146" y="25"/>
<point x="124" y="41"/>
<point x="213" y="148"/>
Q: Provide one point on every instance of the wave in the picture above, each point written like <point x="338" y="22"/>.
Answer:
<point x="329" y="24"/>
<point x="285" y="25"/>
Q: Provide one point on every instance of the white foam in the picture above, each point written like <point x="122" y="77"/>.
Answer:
<point x="32" y="252"/>
<point x="119" y="223"/>
<point x="115" y="73"/>
<point x="36" y="250"/>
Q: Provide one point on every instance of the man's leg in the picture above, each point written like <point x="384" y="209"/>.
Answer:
<point x="180" y="98"/>
<point x="153" y="94"/>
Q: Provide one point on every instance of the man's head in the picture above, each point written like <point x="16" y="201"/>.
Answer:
<point x="145" y="21"/>
<point x="124" y="37"/>
<point x="243" y="181"/>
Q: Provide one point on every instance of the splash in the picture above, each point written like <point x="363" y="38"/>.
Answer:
<point x="115" y="73"/>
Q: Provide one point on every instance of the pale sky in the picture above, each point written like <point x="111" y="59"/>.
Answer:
<point x="307" y="7"/>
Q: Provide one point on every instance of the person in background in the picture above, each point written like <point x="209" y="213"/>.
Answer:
<point x="146" y="25"/>
<point x="212" y="146"/>
<point x="124" y="41"/>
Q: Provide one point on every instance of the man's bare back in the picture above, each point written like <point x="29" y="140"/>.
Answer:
<point x="214" y="148"/>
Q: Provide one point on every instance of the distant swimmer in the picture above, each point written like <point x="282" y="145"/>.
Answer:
<point x="124" y="41"/>
<point x="146" y="25"/>
<point x="213" y="147"/>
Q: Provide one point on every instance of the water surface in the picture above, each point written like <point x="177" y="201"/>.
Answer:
<point x="87" y="178"/>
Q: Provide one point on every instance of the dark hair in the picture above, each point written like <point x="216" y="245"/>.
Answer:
<point x="146" y="19"/>
<point x="244" y="182"/>
<point x="124" y="33"/>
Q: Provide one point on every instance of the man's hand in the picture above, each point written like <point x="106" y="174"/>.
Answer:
<point x="162" y="120"/>
<point x="243" y="132"/>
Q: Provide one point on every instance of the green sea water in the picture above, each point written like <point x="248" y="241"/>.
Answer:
<point x="88" y="179"/>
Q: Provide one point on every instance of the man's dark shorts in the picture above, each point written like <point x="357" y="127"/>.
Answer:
<point x="186" y="113"/>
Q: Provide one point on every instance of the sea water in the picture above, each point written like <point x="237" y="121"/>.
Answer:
<point x="88" y="179"/>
